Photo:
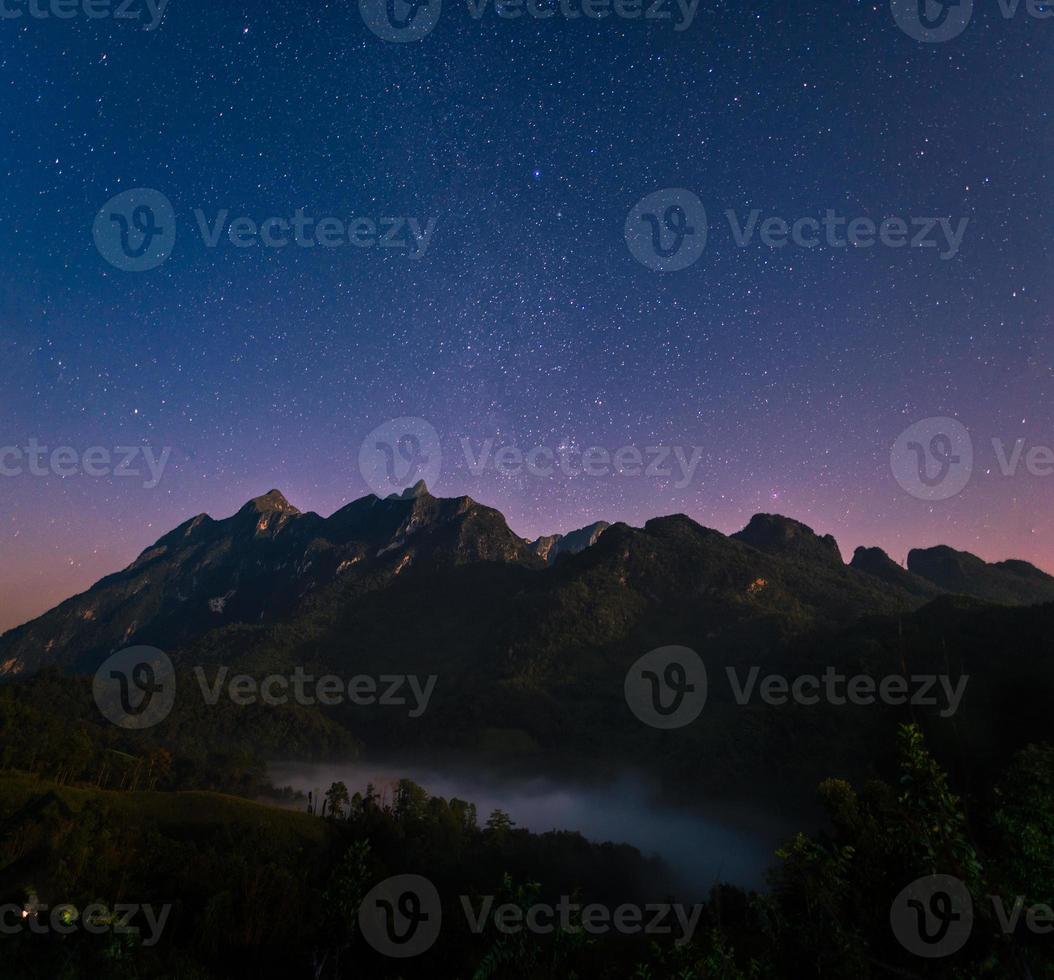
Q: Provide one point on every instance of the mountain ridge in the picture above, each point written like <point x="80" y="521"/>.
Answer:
<point x="262" y="563"/>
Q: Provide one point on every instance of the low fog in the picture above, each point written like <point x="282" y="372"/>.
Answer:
<point x="721" y="842"/>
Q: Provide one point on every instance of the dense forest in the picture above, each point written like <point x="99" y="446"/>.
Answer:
<point x="227" y="886"/>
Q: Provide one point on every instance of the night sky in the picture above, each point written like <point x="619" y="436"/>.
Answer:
<point x="527" y="319"/>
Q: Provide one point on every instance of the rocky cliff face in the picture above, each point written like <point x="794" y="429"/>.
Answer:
<point x="551" y="546"/>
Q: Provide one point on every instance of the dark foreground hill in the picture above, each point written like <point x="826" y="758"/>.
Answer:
<point x="103" y="885"/>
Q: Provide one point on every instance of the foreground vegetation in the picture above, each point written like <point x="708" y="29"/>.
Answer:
<point x="257" y="890"/>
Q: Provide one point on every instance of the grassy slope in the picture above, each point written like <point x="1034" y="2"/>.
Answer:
<point x="167" y="812"/>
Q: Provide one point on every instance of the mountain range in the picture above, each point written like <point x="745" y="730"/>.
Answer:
<point x="531" y="640"/>
<point x="262" y="564"/>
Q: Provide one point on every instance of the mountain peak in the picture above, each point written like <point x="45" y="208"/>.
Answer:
<point x="552" y="545"/>
<point x="269" y="503"/>
<point x="419" y="489"/>
<point x="943" y="564"/>
<point x="867" y="559"/>
<point x="779" y="535"/>
<point x="966" y="574"/>
<point x="875" y="562"/>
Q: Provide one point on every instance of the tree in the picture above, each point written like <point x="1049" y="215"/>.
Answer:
<point x="410" y="801"/>
<point x="934" y="825"/>
<point x="499" y="823"/>
<point x="1024" y="825"/>
<point x="338" y="799"/>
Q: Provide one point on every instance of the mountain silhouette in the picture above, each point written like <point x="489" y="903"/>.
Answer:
<point x="270" y="562"/>
<point x="531" y="643"/>
<point x="1014" y="582"/>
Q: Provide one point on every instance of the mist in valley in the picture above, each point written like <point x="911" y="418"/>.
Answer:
<point x="720" y="841"/>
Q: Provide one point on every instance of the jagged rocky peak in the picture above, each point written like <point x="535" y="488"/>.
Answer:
<point x="378" y="521"/>
<point x="267" y="514"/>
<point x="544" y="546"/>
<point x="778" y="535"/>
<point x="551" y="546"/>
<point x="425" y="509"/>
<point x="419" y="489"/>
<point x="269" y="503"/>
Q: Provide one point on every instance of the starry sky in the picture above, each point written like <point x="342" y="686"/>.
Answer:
<point x="528" y="320"/>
